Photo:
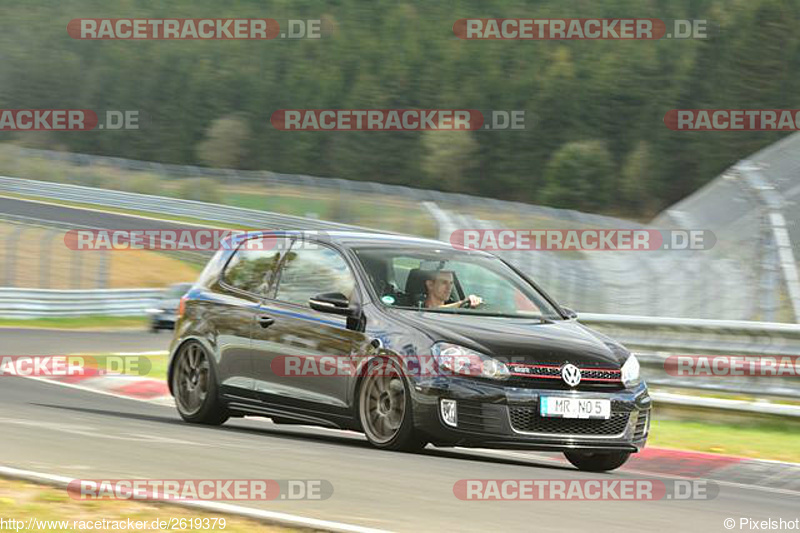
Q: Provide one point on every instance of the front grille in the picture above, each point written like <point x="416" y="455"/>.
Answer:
<point x="642" y="425"/>
<point x="548" y="376"/>
<point x="527" y="419"/>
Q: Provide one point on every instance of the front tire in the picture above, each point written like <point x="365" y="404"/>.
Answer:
<point x="597" y="461"/>
<point x="384" y="409"/>
<point x="194" y="385"/>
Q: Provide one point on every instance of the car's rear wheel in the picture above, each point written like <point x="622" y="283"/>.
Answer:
<point x="195" y="387"/>
<point x="384" y="409"/>
<point x="597" y="461"/>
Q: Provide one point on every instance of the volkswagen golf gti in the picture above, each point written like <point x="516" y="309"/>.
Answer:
<point x="410" y="341"/>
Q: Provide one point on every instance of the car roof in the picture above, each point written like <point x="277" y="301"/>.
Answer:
<point x="355" y="238"/>
<point x="350" y="239"/>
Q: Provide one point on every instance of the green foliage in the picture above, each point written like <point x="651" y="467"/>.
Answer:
<point x="580" y="175"/>
<point x="200" y="189"/>
<point x="210" y="102"/>
<point x="637" y="178"/>
<point x="144" y="184"/>
<point x="225" y="144"/>
<point x="449" y="157"/>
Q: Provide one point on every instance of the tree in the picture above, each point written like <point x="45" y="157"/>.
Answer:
<point x="636" y="189"/>
<point x="225" y="143"/>
<point x="449" y="157"/>
<point x="578" y="176"/>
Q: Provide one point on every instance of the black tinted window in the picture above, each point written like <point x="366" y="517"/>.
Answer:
<point x="308" y="272"/>
<point x="252" y="270"/>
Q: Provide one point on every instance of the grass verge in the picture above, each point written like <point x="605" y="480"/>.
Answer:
<point x="23" y="501"/>
<point x="779" y="441"/>
<point x="78" y="322"/>
<point x="151" y="366"/>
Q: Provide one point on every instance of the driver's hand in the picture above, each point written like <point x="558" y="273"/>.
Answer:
<point x="474" y="301"/>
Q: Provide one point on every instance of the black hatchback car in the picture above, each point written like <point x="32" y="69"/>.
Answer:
<point x="410" y="341"/>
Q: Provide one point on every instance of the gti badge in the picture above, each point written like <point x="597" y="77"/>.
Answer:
<point x="571" y="375"/>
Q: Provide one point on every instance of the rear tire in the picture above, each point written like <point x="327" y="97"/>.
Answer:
<point x="194" y="384"/>
<point x="597" y="461"/>
<point x="384" y="409"/>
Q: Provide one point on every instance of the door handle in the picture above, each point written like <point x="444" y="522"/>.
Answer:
<point x="266" y="321"/>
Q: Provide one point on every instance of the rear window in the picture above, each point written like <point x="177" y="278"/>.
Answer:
<point x="252" y="270"/>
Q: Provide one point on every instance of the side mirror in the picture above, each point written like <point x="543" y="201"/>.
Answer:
<point x="569" y="312"/>
<point x="331" y="302"/>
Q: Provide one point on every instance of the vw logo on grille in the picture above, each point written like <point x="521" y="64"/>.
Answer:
<point x="571" y="375"/>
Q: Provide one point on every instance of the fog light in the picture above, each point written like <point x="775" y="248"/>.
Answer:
<point x="449" y="414"/>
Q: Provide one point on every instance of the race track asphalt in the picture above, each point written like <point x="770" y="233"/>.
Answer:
<point x="60" y="214"/>
<point x="28" y="341"/>
<point x="59" y="430"/>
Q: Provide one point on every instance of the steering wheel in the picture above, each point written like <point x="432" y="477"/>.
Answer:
<point x="466" y="304"/>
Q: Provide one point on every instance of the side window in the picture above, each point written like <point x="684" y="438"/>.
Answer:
<point x="308" y="272"/>
<point x="252" y="270"/>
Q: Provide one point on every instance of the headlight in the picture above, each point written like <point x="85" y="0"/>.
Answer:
<point x="630" y="371"/>
<point x="455" y="359"/>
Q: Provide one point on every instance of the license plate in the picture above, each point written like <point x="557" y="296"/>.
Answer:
<point x="559" y="407"/>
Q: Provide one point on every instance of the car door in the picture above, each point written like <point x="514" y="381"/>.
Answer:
<point x="291" y="333"/>
<point x="246" y="278"/>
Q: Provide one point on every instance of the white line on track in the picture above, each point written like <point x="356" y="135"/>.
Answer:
<point x="248" y="512"/>
<point x="162" y="401"/>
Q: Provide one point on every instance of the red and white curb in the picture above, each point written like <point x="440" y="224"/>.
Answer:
<point x="121" y="385"/>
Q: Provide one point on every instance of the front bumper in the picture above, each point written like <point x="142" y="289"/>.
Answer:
<point x="495" y="415"/>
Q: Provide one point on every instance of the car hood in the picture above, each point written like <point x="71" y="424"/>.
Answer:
<point x="524" y="340"/>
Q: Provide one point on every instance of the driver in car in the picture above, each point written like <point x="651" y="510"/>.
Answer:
<point x="438" y="289"/>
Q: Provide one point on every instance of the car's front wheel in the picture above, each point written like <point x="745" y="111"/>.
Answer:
<point x="384" y="409"/>
<point x="597" y="461"/>
<point x="194" y="385"/>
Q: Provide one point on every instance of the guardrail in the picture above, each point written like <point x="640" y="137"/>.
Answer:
<point x="43" y="303"/>
<point x="192" y="256"/>
<point x="690" y="335"/>
<point x="342" y="186"/>
<point x="654" y="339"/>
<point x="234" y="216"/>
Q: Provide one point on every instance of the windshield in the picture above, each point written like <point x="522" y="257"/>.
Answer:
<point x="451" y="281"/>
